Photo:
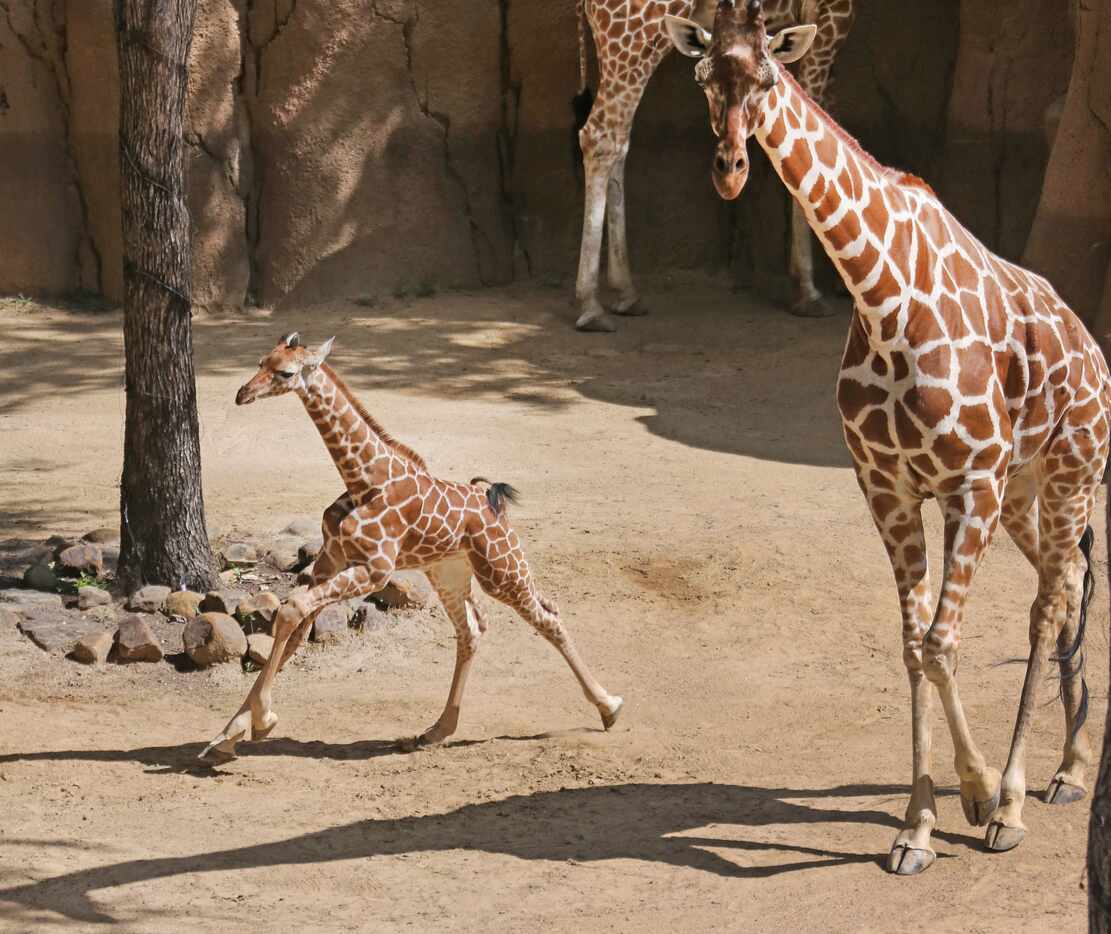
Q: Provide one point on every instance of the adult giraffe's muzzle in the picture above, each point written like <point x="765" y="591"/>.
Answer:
<point x="730" y="168"/>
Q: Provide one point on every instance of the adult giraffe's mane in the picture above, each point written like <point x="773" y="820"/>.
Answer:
<point x="898" y="176"/>
<point x="387" y="439"/>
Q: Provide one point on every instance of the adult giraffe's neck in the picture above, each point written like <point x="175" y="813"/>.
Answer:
<point x="849" y="199"/>
<point x="361" y="456"/>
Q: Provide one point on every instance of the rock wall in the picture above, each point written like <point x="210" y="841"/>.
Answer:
<point x="358" y="147"/>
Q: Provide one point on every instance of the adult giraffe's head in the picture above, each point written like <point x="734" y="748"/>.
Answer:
<point x="738" y="64"/>
<point x="283" y="369"/>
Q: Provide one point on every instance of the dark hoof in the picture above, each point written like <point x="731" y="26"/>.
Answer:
<point x="257" y="733"/>
<point x="1061" y="792"/>
<point x="977" y="813"/>
<point x="1000" y="838"/>
<point x="815" y="308"/>
<point x="609" y="719"/>
<point x="596" y="323"/>
<point x="905" y="860"/>
<point x="635" y="310"/>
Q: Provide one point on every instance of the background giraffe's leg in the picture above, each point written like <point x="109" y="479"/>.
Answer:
<point x="618" y="274"/>
<point x="970" y="520"/>
<point x="1062" y="521"/>
<point x="599" y="158"/>
<point x="452" y="582"/>
<point x="833" y="22"/>
<point x="256" y="713"/>
<point x="506" y="578"/>
<point x="899" y="521"/>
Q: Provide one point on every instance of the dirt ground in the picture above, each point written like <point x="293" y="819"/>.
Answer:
<point x="690" y="506"/>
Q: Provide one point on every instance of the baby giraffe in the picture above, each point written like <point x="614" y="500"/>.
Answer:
<point x="394" y="515"/>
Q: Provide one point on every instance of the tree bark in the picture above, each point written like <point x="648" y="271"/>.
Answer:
<point x="1099" y="829"/>
<point x="163" y="538"/>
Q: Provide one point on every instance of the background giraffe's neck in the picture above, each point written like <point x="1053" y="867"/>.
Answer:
<point x="360" y="455"/>
<point x="849" y="199"/>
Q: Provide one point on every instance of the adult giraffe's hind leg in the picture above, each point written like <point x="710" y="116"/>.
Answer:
<point x="618" y="274"/>
<point x="452" y="582"/>
<point x="502" y="571"/>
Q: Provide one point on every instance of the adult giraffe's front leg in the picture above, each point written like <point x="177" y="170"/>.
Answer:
<point x="599" y="159"/>
<point x="899" y="521"/>
<point x="970" y="516"/>
<point x="256" y="715"/>
<point x="619" y="275"/>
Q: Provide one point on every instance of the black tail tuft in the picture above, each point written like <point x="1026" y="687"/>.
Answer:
<point x="1065" y="658"/>
<point x="499" y="494"/>
<point x="582" y="103"/>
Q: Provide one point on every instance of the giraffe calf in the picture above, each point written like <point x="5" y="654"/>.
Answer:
<point x="395" y="515"/>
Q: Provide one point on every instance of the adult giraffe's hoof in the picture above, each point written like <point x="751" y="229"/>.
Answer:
<point x="906" y="860"/>
<point x="595" y="321"/>
<point x="1062" y="792"/>
<point x="978" y="813"/>
<point x="812" y="308"/>
<point x="633" y="310"/>
<point x="609" y="718"/>
<point x="1001" y="838"/>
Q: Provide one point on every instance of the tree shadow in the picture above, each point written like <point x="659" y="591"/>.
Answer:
<point x="675" y="824"/>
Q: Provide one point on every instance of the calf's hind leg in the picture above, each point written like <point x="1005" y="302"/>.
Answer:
<point x="506" y="578"/>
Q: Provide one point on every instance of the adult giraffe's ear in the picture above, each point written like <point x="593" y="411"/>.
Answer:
<point x="687" y="36"/>
<point x="293" y="339"/>
<point x="318" y="355"/>
<point x="791" y="44"/>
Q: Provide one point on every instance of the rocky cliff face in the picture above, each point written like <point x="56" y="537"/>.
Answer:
<point x="356" y="147"/>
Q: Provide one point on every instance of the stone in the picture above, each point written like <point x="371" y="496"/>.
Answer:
<point x="54" y="630"/>
<point x="136" y="641"/>
<point x="23" y="599"/>
<point x="284" y="555"/>
<point x="405" y="589"/>
<point x="41" y="577"/>
<point x="80" y="558"/>
<point x="239" y="555"/>
<point x="93" y="647"/>
<point x="302" y="528"/>
<point x="9" y="616"/>
<point x="106" y="614"/>
<point x="222" y="601"/>
<point x="256" y="613"/>
<point x="183" y="603"/>
<point x="368" y="618"/>
<point x="148" y="599"/>
<point x="88" y="597"/>
<point x="330" y="623"/>
<point x="213" y="638"/>
<point x="111" y="557"/>
<point x="309" y="550"/>
<point x="259" y="647"/>
<point x="103" y="536"/>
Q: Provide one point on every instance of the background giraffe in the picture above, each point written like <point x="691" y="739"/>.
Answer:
<point x="630" y="43"/>
<point x="394" y="514"/>
<point x="965" y="379"/>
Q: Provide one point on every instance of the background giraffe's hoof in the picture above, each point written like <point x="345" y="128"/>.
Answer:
<point x="1001" y="838"/>
<point x="813" y="308"/>
<point x="977" y="813"/>
<point x="1061" y="792"/>
<point x="633" y="310"/>
<point x="594" y="321"/>
<point x="906" y="860"/>
<point x="610" y="718"/>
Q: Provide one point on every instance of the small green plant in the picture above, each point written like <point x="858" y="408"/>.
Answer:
<point x="426" y="289"/>
<point x="400" y="292"/>
<point x="366" y="301"/>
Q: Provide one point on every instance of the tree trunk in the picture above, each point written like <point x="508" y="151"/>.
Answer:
<point x="162" y="529"/>
<point x="1099" y="829"/>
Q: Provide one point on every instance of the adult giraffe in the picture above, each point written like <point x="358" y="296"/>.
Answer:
<point x="630" y="43"/>
<point x="964" y="378"/>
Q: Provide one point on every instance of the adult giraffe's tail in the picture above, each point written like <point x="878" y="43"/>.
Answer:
<point x="1069" y="670"/>
<point x="584" y="100"/>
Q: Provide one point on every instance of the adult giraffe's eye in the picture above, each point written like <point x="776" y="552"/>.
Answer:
<point x="287" y="374"/>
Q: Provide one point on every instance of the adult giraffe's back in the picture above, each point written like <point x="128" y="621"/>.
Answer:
<point x="630" y="43"/>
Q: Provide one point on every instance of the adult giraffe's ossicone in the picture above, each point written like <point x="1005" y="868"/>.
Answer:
<point x="630" y="42"/>
<point x="965" y="378"/>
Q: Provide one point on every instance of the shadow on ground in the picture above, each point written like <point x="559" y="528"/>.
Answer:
<point x="713" y="369"/>
<point x="675" y="824"/>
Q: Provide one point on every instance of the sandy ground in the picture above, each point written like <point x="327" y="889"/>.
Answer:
<point x="690" y="506"/>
